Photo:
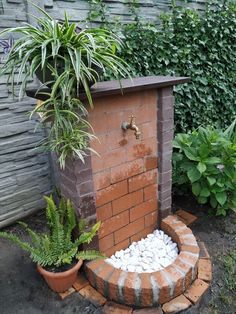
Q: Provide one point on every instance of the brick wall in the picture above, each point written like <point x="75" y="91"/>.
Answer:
<point x="125" y="173"/>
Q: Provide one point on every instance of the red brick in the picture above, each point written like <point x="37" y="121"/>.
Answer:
<point x="204" y="269"/>
<point x="111" y="193"/>
<point x="163" y="285"/>
<point x="115" y="308"/>
<point x="203" y="251"/>
<point x="127" y="170"/>
<point x="100" y="145"/>
<point x="142" y="234"/>
<point x="127" y="201"/>
<point x="104" y="212"/>
<point x="150" y="163"/>
<point x="113" y="284"/>
<point x="129" y="286"/>
<point x="148" y="129"/>
<point x="114" y="120"/>
<point x="197" y="290"/>
<point x="91" y="267"/>
<point x="186" y="217"/>
<point x="150" y="192"/>
<point x="146" y="297"/>
<point x="176" y="305"/>
<point x="81" y="282"/>
<point x="146" y="112"/>
<point x="190" y="248"/>
<point x="177" y="278"/>
<point x="102" y="179"/>
<point x="142" y="180"/>
<point x="188" y="258"/>
<point x="129" y="230"/>
<point x="114" y="158"/>
<point x="151" y="219"/>
<point x="93" y="296"/>
<point x="186" y="269"/>
<point x="101" y="276"/>
<point x="97" y="164"/>
<point x="120" y="246"/>
<point x="106" y="242"/>
<point x="153" y="310"/>
<point x="116" y="139"/>
<point x="114" y="223"/>
<point x="143" y="209"/>
<point x="145" y="148"/>
<point x="68" y="292"/>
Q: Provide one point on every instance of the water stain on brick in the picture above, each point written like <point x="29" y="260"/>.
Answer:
<point x="123" y="142"/>
<point x="141" y="150"/>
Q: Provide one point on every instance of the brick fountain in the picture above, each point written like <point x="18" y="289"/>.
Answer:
<point x="128" y="188"/>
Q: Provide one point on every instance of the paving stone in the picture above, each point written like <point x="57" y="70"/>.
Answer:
<point x="65" y="294"/>
<point x="176" y="305"/>
<point x="203" y="251"/>
<point x="115" y="308"/>
<point x="204" y="269"/>
<point x="81" y="282"/>
<point x="93" y="296"/>
<point x="154" y="310"/>
<point x="186" y="217"/>
<point x="197" y="290"/>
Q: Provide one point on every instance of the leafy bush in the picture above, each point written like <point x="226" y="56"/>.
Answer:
<point x="188" y="43"/>
<point x="205" y="160"/>
<point x="57" y="247"/>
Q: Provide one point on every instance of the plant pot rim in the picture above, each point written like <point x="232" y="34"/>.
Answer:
<point x="43" y="271"/>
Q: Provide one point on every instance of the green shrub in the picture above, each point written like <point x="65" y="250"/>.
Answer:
<point x="205" y="161"/>
<point x="188" y="43"/>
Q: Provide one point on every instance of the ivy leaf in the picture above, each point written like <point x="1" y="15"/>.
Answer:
<point x="194" y="175"/>
<point x="201" y="167"/>
<point x="221" y="197"/>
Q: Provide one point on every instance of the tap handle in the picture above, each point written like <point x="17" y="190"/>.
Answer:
<point x="132" y="120"/>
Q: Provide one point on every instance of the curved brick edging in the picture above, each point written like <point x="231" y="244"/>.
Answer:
<point x="150" y="289"/>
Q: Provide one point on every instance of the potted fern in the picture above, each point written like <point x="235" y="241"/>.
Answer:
<point x="56" y="253"/>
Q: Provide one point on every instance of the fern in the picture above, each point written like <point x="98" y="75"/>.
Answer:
<point x="57" y="247"/>
<point x="89" y="255"/>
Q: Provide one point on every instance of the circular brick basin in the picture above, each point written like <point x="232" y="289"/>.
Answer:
<point x="150" y="289"/>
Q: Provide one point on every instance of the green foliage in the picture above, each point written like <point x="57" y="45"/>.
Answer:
<point x="70" y="59"/>
<point x="229" y="263"/>
<point x="205" y="160"/>
<point x="188" y="43"/>
<point x="57" y="247"/>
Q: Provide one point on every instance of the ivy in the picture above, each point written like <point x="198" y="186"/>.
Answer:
<point x="185" y="42"/>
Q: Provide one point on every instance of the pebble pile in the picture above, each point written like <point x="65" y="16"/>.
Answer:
<point x="153" y="253"/>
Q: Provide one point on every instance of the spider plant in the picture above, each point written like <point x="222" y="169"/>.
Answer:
<point x="68" y="59"/>
<point x="66" y="51"/>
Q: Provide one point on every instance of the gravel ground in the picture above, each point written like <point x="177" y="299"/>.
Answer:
<point x="22" y="290"/>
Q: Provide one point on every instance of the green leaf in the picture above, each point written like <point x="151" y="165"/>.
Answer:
<point x="190" y="154"/>
<point x="221" y="197"/>
<point x="202" y="200"/>
<point x="196" y="188"/>
<point x="194" y="174"/>
<point x="213" y="201"/>
<point x="211" y="180"/>
<point x="205" y="192"/>
<point x="201" y="167"/>
<point x="213" y="160"/>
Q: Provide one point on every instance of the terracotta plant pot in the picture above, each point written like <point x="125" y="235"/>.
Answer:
<point x="61" y="281"/>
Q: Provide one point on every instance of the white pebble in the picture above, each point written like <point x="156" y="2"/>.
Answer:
<point x="151" y="254"/>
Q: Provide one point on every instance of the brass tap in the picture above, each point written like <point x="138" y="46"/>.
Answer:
<point x="132" y="126"/>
